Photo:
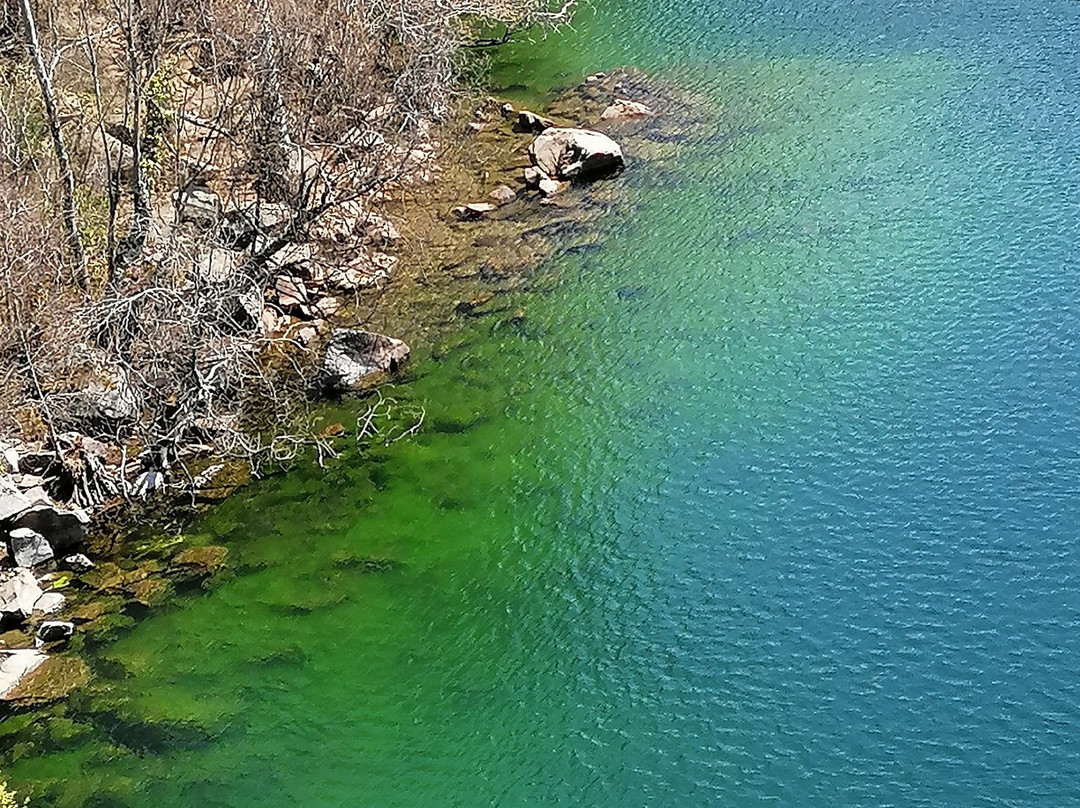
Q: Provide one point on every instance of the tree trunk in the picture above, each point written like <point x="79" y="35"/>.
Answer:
<point x="67" y="177"/>
<point x="271" y="137"/>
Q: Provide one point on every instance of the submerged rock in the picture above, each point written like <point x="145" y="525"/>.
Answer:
<point x="575" y="153"/>
<point x="201" y="561"/>
<point x="624" y="108"/>
<point x="473" y="211"/>
<point x="51" y="678"/>
<point x="352" y="355"/>
<point x="503" y="194"/>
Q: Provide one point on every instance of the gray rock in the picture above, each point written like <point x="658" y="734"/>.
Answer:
<point x="241" y="225"/>
<point x="503" y="194"/>
<point x="533" y="176"/>
<point x="473" y="211"/>
<point x="12" y="503"/>
<point x="198" y="206"/>
<point x="54" y="631"/>
<point x="19" y="591"/>
<point x="575" y="153"/>
<point x="49" y="603"/>
<point x="531" y="122"/>
<point x="352" y="354"/>
<point x="63" y="529"/>
<point x="78" y="562"/>
<point x="106" y="400"/>
<point x="28" y="547"/>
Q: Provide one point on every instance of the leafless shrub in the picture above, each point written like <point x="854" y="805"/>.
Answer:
<point x="187" y="325"/>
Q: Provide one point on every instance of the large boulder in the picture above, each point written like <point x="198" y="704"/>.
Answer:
<point x="352" y="355"/>
<point x="63" y="529"/>
<point x="570" y="154"/>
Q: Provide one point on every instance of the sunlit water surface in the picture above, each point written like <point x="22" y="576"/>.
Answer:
<point x="773" y="500"/>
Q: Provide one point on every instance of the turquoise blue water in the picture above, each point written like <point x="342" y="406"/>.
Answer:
<point x="790" y="520"/>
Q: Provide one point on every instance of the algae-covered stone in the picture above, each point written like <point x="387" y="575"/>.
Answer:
<point x="200" y="561"/>
<point x="95" y="609"/>
<point x="366" y="564"/>
<point x="150" y="591"/>
<point x="105" y="577"/>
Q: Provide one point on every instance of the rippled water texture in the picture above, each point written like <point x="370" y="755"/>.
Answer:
<point x="791" y="519"/>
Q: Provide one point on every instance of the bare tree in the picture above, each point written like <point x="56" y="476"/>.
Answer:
<point x="67" y="176"/>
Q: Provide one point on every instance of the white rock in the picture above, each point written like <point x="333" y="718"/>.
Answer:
<point x="49" y="603"/>
<point x="28" y="547"/>
<point x="575" y="153"/>
<point x="11" y="458"/>
<point x="14" y="665"/>
<point x="78" y="562"/>
<point x="352" y="354"/>
<point x="19" y="591"/>
<point x="550" y="187"/>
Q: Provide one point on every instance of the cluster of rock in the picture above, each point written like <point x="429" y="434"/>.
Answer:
<point x="39" y="538"/>
<point x="560" y="155"/>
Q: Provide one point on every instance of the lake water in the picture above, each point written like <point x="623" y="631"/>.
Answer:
<point x="772" y="501"/>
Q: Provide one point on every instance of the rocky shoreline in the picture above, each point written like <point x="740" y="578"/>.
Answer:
<point x="76" y="564"/>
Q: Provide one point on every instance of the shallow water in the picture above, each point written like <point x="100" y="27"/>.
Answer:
<point x="772" y="500"/>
